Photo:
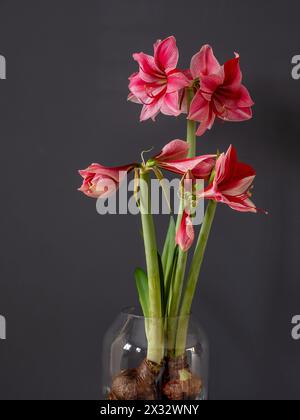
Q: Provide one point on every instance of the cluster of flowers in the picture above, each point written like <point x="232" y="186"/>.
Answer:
<point x="231" y="183"/>
<point x="217" y="92"/>
<point x="161" y="87"/>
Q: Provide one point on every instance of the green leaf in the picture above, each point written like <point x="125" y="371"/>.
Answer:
<point x="162" y="284"/>
<point x="142" y="286"/>
<point x="169" y="249"/>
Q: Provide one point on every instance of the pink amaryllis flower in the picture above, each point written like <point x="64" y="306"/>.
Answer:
<point x="220" y="91"/>
<point x="100" y="181"/>
<point x="185" y="235"/>
<point x="173" y="158"/>
<point x="232" y="183"/>
<point x="158" y="81"/>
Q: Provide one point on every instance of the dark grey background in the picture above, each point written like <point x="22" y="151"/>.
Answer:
<point x="65" y="271"/>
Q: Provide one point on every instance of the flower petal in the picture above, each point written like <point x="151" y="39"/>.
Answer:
<point x="102" y="181"/>
<point x="206" y="125"/>
<point x="199" y="109"/>
<point x="243" y="206"/>
<point x="202" y="111"/>
<point x="200" y="167"/>
<point x="149" y="72"/>
<point x="175" y="150"/>
<point x="210" y="83"/>
<point x="185" y="234"/>
<point x="237" y="115"/>
<point x="204" y="63"/>
<point x="232" y="71"/>
<point x="234" y="97"/>
<point x="132" y="98"/>
<point x="225" y="166"/>
<point x="151" y="111"/>
<point x="137" y="87"/>
<point x="105" y="187"/>
<point x="170" y="104"/>
<point x="166" y="54"/>
<point x="242" y="170"/>
<point x="176" y="81"/>
<point x="204" y="169"/>
<point x="238" y="187"/>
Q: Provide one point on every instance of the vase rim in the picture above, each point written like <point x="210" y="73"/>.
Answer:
<point x="135" y="313"/>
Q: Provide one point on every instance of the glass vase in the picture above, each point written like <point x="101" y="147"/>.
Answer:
<point x="129" y="375"/>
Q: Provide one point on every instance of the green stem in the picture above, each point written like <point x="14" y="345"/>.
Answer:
<point x="191" y="140"/>
<point x="191" y="126"/>
<point x="176" y="299"/>
<point x="177" y="286"/>
<point x="180" y="213"/>
<point x="154" y="324"/>
<point x="193" y="277"/>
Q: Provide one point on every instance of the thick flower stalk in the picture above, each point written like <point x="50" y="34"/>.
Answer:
<point x="155" y="322"/>
<point x="185" y="231"/>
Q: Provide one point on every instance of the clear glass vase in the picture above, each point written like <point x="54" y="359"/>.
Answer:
<point x="128" y="374"/>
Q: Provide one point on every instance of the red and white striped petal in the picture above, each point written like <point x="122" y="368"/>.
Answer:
<point x="175" y="150"/>
<point x="166" y="54"/>
<point x="204" y="63"/>
<point x="185" y="234"/>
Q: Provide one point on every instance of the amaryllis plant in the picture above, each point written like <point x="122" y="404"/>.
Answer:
<point x="205" y="92"/>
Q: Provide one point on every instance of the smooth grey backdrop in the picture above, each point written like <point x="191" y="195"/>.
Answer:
<point x="65" y="271"/>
